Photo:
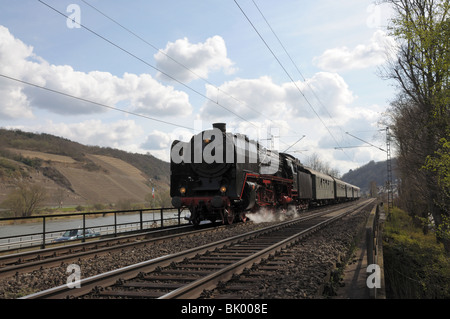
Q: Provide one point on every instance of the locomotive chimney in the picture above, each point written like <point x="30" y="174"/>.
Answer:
<point x="220" y="126"/>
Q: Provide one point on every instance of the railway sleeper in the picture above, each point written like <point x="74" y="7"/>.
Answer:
<point x="201" y="266"/>
<point x="167" y="277"/>
<point x="131" y="294"/>
<point x="184" y="272"/>
<point x="213" y="261"/>
<point x="152" y="285"/>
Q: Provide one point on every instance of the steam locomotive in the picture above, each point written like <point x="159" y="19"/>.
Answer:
<point x="223" y="176"/>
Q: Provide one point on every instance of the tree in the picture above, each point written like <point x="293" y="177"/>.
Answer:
<point x="25" y="199"/>
<point x="373" y="189"/>
<point x="421" y="110"/>
<point x="440" y="163"/>
<point x="313" y="161"/>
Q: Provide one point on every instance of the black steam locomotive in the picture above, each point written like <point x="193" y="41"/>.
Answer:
<point x="220" y="175"/>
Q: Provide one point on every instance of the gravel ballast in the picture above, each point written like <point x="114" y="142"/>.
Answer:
<point x="302" y="276"/>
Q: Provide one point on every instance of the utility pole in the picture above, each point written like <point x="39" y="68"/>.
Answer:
<point x="389" y="166"/>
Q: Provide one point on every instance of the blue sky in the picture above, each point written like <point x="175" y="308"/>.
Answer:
<point x="224" y="72"/>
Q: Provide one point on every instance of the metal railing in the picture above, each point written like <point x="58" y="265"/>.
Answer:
<point x="107" y="223"/>
<point x="374" y="249"/>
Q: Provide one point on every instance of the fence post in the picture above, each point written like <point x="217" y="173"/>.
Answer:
<point x="43" y="232"/>
<point x="162" y="218"/>
<point x="115" y="224"/>
<point x="84" y="228"/>
<point x="140" y="216"/>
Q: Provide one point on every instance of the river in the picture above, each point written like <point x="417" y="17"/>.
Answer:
<point x="103" y="224"/>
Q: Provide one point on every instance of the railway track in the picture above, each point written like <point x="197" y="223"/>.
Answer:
<point x="50" y="257"/>
<point x="189" y="273"/>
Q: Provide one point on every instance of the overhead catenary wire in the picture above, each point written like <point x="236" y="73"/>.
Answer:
<point x="181" y="64"/>
<point x="96" y="103"/>
<point x="370" y="144"/>
<point x="290" y="58"/>
<point x="293" y="62"/>
<point x="146" y="63"/>
<point x="162" y="72"/>
<point x="287" y="73"/>
<point x="93" y="102"/>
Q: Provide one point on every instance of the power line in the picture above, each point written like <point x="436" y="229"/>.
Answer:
<point x="179" y="63"/>
<point x="146" y="42"/>
<point x="93" y="102"/>
<point x="157" y="69"/>
<point x="389" y="165"/>
<point x="366" y="142"/>
<point x="287" y="73"/>
<point x="295" y="64"/>
<point x="146" y="63"/>
<point x="290" y="58"/>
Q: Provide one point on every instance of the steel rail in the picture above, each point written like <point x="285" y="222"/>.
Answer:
<point x="130" y="272"/>
<point x="16" y="258"/>
<point x="54" y="256"/>
<point x="194" y="289"/>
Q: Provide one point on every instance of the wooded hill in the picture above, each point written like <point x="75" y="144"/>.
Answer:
<point x="371" y="172"/>
<point x="76" y="174"/>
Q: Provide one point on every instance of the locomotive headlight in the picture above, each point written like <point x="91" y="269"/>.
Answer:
<point x="182" y="190"/>
<point x="223" y="189"/>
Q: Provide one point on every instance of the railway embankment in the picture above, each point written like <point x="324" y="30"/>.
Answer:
<point x="408" y="263"/>
<point x="360" y="274"/>
<point x="416" y="265"/>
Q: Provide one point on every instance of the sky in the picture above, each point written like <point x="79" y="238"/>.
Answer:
<point x="299" y="76"/>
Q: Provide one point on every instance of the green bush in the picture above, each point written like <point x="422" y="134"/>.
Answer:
<point x="416" y="266"/>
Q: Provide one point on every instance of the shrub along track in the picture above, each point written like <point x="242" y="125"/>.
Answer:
<point x="188" y="273"/>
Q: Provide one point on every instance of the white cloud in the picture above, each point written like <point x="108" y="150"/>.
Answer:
<point x="13" y="102"/>
<point x="262" y="98"/>
<point x="149" y="97"/>
<point x="141" y="93"/>
<point x="249" y="98"/>
<point x="326" y="93"/>
<point x="158" y="143"/>
<point x="193" y="60"/>
<point x="362" y="56"/>
<point x="157" y="140"/>
<point x="120" y="134"/>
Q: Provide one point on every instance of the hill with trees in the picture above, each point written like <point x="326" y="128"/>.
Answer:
<point x="70" y="173"/>
<point x="365" y="175"/>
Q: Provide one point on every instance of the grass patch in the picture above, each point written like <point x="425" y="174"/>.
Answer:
<point x="416" y="266"/>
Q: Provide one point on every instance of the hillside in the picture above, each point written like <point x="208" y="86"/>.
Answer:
<point x="372" y="171"/>
<point x="76" y="174"/>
